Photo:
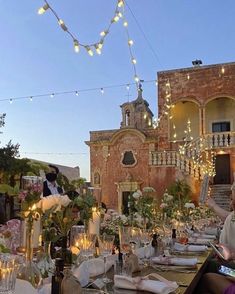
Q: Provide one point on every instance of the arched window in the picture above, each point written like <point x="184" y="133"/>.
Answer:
<point x="96" y="178"/>
<point x="127" y="117"/>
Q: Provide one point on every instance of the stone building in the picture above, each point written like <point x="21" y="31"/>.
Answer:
<point x="199" y="100"/>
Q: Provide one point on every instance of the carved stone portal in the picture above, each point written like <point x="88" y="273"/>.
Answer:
<point x="127" y="186"/>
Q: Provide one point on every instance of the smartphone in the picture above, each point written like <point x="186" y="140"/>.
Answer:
<point x="227" y="271"/>
<point x="217" y="250"/>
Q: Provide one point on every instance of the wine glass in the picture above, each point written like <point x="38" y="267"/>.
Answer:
<point x="125" y="239"/>
<point x="106" y="247"/>
<point x="86" y="244"/>
<point x="145" y="240"/>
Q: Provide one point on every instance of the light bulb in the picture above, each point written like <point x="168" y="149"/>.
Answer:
<point x="156" y="83"/>
<point x="43" y="9"/>
<point x="188" y="77"/>
<point x="116" y="18"/>
<point x="136" y="78"/>
<point x="120" y="14"/>
<point x="102" y="91"/>
<point x="100" y="45"/>
<point x="125" y="24"/>
<point x="120" y="3"/>
<point x="89" y="51"/>
<point x="130" y="42"/>
<point x="76" y="93"/>
<point x="31" y="98"/>
<point x="11" y="100"/>
<point x="62" y="24"/>
<point x="128" y="87"/>
<point x="52" y="95"/>
<point x="98" y="50"/>
<point x="222" y="70"/>
<point x="133" y="60"/>
<point x="103" y="33"/>
<point x="76" y="46"/>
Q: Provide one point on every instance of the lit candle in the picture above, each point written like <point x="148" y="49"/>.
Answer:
<point x="94" y="223"/>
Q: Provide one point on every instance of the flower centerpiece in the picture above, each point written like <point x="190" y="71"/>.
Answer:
<point x="141" y="207"/>
<point x="58" y="218"/>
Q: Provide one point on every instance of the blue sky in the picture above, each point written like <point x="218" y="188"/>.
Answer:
<point x="37" y="57"/>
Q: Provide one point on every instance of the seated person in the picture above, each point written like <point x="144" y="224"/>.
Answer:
<point x="50" y="186"/>
<point x="212" y="282"/>
<point x="220" y="212"/>
<point x="215" y="283"/>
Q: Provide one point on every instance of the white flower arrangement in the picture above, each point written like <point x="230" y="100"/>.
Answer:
<point x="189" y="205"/>
<point x="56" y="201"/>
<point x="167" y="197"/>
<point x="163" y="205"/>
<point x="137" y="194"/>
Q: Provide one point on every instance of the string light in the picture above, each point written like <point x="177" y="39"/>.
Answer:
<point x="76" y="46"/>
<point x="43" y="9"/>
<point x="125" y="23"/>
<point x="31" y="98"/>
<point x="11" y="101"/>
<point x="98" y="49"/>
<point x="76" y="92"/>
<point x="89" y="51"/>
<point x="102" y="90"/>
<point x="76" y="42"/>
<point x="222" y="70"/>
<point x="120" y="3"/>
<point x="130" y="42"/>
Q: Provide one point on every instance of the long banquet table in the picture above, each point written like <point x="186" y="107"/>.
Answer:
<point x="186" y="279"/>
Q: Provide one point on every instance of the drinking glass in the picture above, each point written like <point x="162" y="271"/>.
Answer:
<point x="125" y="238"/>
<point x="106" y="247"/>
<point x="86" y="244"/>
<point x="145" y="240"/>
<point x="8" y="272"/>
<point x="75" y="233"/>
<point x="135" y="236"/>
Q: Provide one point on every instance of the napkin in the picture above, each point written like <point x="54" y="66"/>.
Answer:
<point x="25" y="287"/>
<point x="190" y="248"/>
<point x="91" y="268"/>
<point x="175" y="261"/>
<point x="204" y="236"/>
<point x="70" y="283"/>
<point x="211" y="231"/>
<point x="198" y="241"/>
<point x="145" y="252"/>
<point x="162" y="286"/>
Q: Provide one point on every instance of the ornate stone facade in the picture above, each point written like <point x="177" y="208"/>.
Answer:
<point x="137" y="155"/>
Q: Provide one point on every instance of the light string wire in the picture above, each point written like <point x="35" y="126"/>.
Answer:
<point x="143" y="33"/>
<point x="77" y="44"/>
<point x="76" y="92"/>
<point x="130" y="44"/>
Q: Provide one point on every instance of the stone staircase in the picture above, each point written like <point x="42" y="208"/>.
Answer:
<point x="221" y="195"/>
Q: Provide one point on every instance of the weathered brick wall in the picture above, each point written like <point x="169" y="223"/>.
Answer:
<point x="204" y="83"/>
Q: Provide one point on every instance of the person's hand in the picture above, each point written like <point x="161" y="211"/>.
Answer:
<point x="210" y="202"/>
<point x="227" y="252"/>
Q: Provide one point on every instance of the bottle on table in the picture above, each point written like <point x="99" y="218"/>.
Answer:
<point x="173" y="237"/>
<point x="155" y="244"/>
<point x="57" y="276"/>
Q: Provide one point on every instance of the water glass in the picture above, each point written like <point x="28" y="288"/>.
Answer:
<point x="122" y="269"/>
<point x="8" y="272"/>
<point x="75" y="233"/>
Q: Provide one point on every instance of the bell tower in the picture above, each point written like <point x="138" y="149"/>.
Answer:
<point x="137" y="114"/>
